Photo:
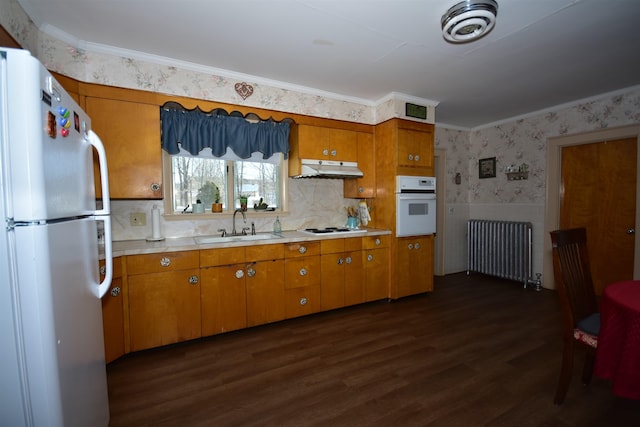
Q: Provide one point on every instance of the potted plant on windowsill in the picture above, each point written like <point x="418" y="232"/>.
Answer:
<point x="216" y="206"/>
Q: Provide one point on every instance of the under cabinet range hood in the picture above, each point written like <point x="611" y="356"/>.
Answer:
<point x="328" y="169"/>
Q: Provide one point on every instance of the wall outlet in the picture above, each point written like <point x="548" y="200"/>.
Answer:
<point x="138" y="219"/>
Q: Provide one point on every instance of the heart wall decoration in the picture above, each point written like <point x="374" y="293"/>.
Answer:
<point x="244" y="90"/>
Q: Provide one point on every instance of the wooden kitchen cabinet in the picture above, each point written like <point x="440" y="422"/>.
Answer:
<point x="365" y="187"/>
<point x="164" y="298"/>
<point x="342" y="280"/>
<point x="265" y="284"/>
<point x="113" y="315"/>
<point x="323" y="143"/>
<point x="223" y="294"/>
<point x="414" y="272"/>
<point x="130" y="132"/>
<point x="415" y="151"/>
<point x="302" y="278"/>
<point x="375" y="260"/>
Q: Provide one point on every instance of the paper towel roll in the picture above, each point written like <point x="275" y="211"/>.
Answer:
<point x="155" y="222"/>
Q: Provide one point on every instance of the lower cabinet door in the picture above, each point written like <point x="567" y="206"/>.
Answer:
<point x="302" y="301"/>
<point x="113" y="321"/>
<point x="164" y="308"/>
<point x="265" y="292"/>
<point x="223" y="297"/>
<point x="376" y="270"/>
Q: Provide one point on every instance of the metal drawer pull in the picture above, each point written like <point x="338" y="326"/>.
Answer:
<point x="302" y="249"/>
<point x="303" y="301"/>
<point x="239" y="274"/>
<point x="369" y="257"/>
<point x="193" y="280"/>
<point x="340" y="261"/>
<point x="417" y="245"/>
<point x="155" y="187"/>
<point x="410" y="246"/>
<point x="303" y="271"/>
<point x="378" y="242"/>
<point x="349" y="260"/>
<point x="115" y="291"/>
<point x="410" y="156"/>
<point x="251" y="272"/>
<point x="417" y="157"/>
<point x="165" y="262"/>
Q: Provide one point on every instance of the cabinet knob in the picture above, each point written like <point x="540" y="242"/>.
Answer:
<point x="251" y="272"/>
<point x="411" y="157"/>
<point x="115" y="291"/>
<point x="103" y="270"/>
<point x="325" y="151"/>
<point x="369" y="257"/>
<point x="410" y="246"/>
<point x="416" y="157"/>
<point x="303" y="301"/>
<point x="302" y="249"/>
<point x="348" y="260"/>
<point x="155" y="187"/>
<point x="303" y="271"/>
<point x="193" y="280"/>
<point x="378" y="242"/>
<point x="165" y="262"/>
<point x="417" y="245"/>
<point x="334" y="153"/>
<point x="239" y="274"/>
<point x="340" y="261"/>
<point x="360" y="189"/>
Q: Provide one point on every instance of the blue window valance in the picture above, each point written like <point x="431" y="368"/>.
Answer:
<point x="194" y="130"/>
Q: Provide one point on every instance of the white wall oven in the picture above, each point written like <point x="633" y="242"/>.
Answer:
<point x="415" y="205"/>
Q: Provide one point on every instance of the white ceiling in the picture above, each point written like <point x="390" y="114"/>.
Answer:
<point x="541" y="53"/>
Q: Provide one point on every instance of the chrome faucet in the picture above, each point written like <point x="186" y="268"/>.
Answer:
<point x="244" y="217"/>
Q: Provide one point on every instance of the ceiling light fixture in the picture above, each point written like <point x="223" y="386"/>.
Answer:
<point x="469" y="20"/>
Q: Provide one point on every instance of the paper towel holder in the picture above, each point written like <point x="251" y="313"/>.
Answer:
<point x="156" y="236"/>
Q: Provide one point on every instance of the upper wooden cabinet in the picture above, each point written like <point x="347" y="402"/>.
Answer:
<point x="130" y="132"/>
<point x="364" y="187"/>
<point x="404" y="147"/>
<point x="322" y="143"/>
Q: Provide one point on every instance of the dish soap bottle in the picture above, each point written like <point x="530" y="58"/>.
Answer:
<point x="277" y="227"/>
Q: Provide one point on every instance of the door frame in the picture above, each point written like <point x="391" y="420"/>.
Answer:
<point x="439" y="170"/>
<point x="554" y="180"/>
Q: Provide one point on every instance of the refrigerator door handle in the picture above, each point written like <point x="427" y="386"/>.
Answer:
<point x="95" y="141"/>
<point x="104" y="286"/>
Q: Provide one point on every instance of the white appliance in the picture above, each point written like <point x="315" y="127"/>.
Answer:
<point x="52" y="366"/>
<point x="415" y="205"/>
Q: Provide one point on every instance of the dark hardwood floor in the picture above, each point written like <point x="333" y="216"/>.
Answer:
<point x="478" y="351"/>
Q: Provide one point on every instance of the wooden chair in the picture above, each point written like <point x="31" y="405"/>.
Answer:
<point x="580" y="316"/>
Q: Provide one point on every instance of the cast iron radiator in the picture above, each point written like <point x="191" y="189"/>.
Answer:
<point x="499" y="248"/>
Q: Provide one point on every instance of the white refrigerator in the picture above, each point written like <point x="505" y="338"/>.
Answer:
<point x="52" y="366"/>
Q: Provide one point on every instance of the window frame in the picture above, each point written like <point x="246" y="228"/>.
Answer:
<point x="167" y="190"/>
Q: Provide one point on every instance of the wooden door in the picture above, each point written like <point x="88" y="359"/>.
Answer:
<point x="131" y="135"/>
<point x="223" y="299"/>
<point x="265" y="292"/>
<point x="332" y="267"/>
<point x="164" y="308"/>
<point x="599" y="193"/>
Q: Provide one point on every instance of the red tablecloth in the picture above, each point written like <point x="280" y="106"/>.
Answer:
<point x="618" y="352"/>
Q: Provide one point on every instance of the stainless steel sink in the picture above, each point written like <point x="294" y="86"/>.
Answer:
<point x="203" y="240"/>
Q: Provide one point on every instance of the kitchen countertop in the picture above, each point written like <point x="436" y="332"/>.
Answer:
<point x="138" y="247"/>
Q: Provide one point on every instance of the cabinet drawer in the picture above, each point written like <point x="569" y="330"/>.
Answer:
<point x="300" y="272"/>
<point x="166" y="261"/>
<point x="352" y="244"/>
<point x="374" y="242"/>
<point x="264" y="252"/>
<point x="117" y="268"/>
<point x="222" y="256"/>
<point x="301" y="301"/>
<point x="331" y="246"/>
<point x="300" y="249"/>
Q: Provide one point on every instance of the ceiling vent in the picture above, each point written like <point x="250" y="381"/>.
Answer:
<point x="469" y="20"/>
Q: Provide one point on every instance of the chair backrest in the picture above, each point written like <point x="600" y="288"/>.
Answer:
<point x="572" y="275"/>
